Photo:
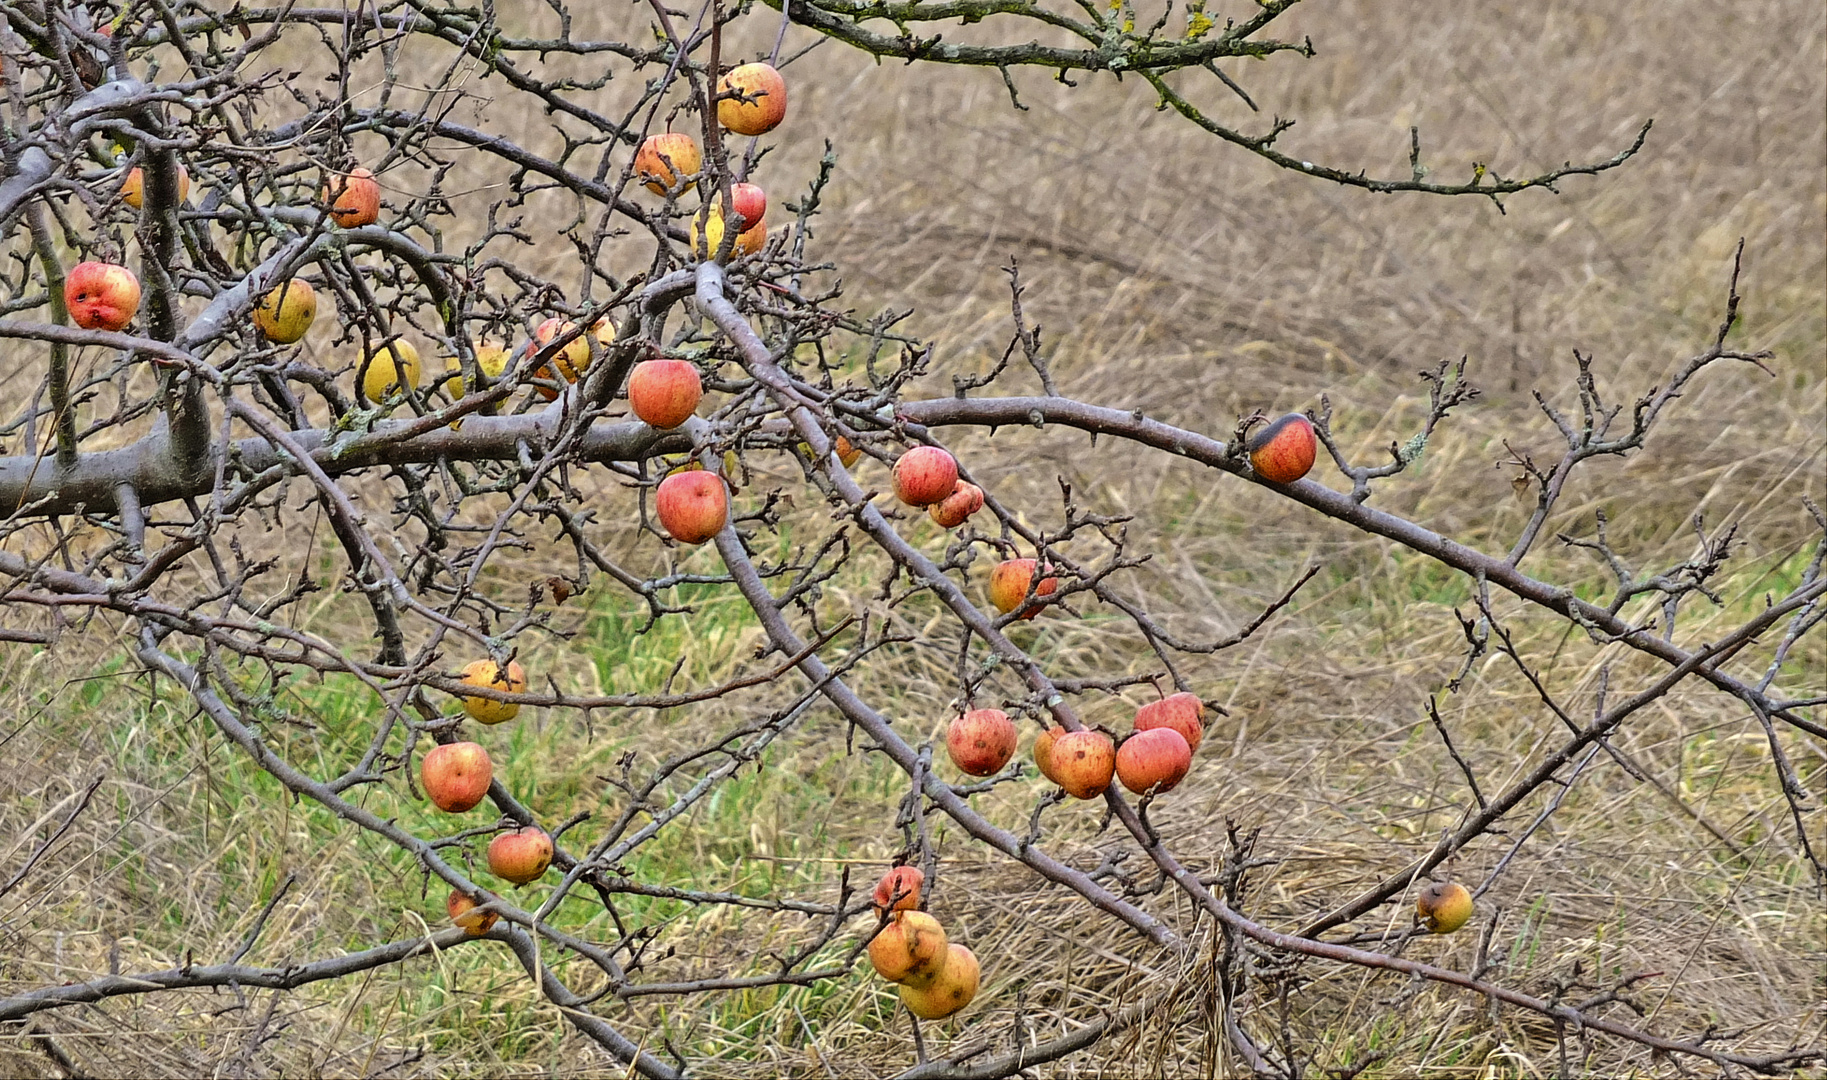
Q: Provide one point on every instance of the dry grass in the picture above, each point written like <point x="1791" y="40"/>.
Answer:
<point x="1182" y="277"/>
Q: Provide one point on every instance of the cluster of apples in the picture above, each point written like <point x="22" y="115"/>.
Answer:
<point x="936" y="977"/>
<point x="1154" y="757"/>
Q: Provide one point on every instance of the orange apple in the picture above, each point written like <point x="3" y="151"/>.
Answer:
<point x="666" y="159"/>
<point x="456" y="776"/>
<point x="133" y="188"/>
<point x="1083" y="763"/>
<point x="665" y="392"/>
<point x="966" y="499"/>
<point x="463" y="912"/>
<point x="846" y="453"/>
<point x="101" y="296"/>
<point x="705" y="241"/>
<point x="1444" y="906"/>
<point x="392" y="368"/>
<point x="899" y="887"/>
<point x="909" y="949"/>
<point x="951" y="990"/>
<point x="981" y="741"/>
<point x="1009" y="587"/>
<point x="693" y="506"/>
<point x="925" y="475"/>
<point x="1043" y="751"/>
<point x="488" y="674"/>
<point x="354" y="199"/>
<point x="1284" y="451"/>
<point x="756" y="99"/>
<point x="750" y="202"/>
<point x="1183" y="712"/>
<point x="520" y="856"/>
<point x="1153" y="760"/>
<point x="285" y="313"/>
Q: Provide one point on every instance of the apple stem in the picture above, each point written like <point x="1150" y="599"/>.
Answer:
<point x="919" y="1043"/>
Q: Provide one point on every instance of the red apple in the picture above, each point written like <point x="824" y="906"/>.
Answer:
<point x="951" y="990"/>
<point x="981" y="741"/>
<point x="1284" y="451"/>
<point x="354" y="199"/>
<point x="1009" y="586"/>
<point x="520" y="856"/>
<point x="1043" y="751"/>
<point x="900" y="887"/>
<point x="1156" y="759"/>
<point x="966" y="499"/>
<point x="664" y="392"/>
<point x="749" y="201"/>
<point x="650" y="161"/>
<point x="693" y="506"/>
<point x="1083" y="763"/>
<point x="101" y="296"/>
<point x="456" y="776"/>
<point x="1184" y="713"/>
<point x="762" y="103"/>
<point x="909" y="949"/>
<point x="925" y="475"/>
<point x="461" y="908"/>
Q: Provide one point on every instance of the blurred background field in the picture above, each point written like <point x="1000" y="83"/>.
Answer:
<point x="1178" y="275"/>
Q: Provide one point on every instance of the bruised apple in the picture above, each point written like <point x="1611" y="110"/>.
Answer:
<point x="1083" y="763"/>
<point x="354" y="199"/>
<point x="981" y="741"/>
<point x="756" y="100"/>
<point x="925" y="475"/>
<point x="520" y="856"/>
<point x="1284" y="451"/>
<point x="1153" y="760"/>
<point x="1183" y="712"/>
<point x="909" y="949"/>
<point x="966" y="499"/>
<point x="1009" y="587"/>
<point x="286" y="312"/>
<point x="463" y="912"/>
<point x="666" y="159"/>
<point x="1043" y="751"/>
<point x="847" y="452"/>
<point x="692" y="505"/>
<point x="665" y="392"/>
<point x="486" y="673"/>
<point x="951" y="990"/>
<point x="900" y="888"/>
<point x="456" y="776"/>
<point x="101" y="296"/>
<point x="1444" y="906"/>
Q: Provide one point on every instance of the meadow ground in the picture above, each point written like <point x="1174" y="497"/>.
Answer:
<point x="1178" y="275"/>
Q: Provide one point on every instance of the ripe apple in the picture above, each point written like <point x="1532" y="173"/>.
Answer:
<point x="749" y="201"/>
<point x="491" y="358"/>
<point x="1284" y="451"/>
<point x="981" y="741"/>
<point x="1444" y="906"/>
<point x="456" y="776"/>
<point x="846" y="452"/>
<point x="763" y="101"/>
<point x="909" y="949"/>
<point x="650" y="161"/>
<point x="487" y="673"/>
<point x="693" y="506"/>
<point x="1156" y="759"/>
<point x="707" y="240"/>
<point x="520" y="856"/>
<point x="391" y="368"/>
<point x="1182" y="712"/>
<point x="966" y="499"/>
<point x="1009" y="587"/>
<point x="573" y="358"/>
<point x="664" y="392"/>
<point x="101" y="296"/>
<point x="953" y="988"/>
<point x="463" y="912"/>
<point x="1043" y="751"/>
<point x="285" y="313"/>
<point x="1083" y="763"/>
<point x="900" y="887"/>
<point x="354" y="199"/>
<point x="925" y="475"/>
<point x="133" y="188"/>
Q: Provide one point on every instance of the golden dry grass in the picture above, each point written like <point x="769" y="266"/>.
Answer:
<point x="1179" y="276"/>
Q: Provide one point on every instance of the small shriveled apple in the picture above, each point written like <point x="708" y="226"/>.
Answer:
<point x="1153" y="760"/>
<point x="133" y="188"/>
<point x="909" y="949"/>
<point x="953" y="988"/>
<point x="286" y="312"/>
<point x="486" y="673"/>
<point x="1284" y="451"/>
<point x="1009" y="587"/>
<point x="392" y="368"/>
<point x="756" y="100"/>
<point x="651" y="161"/>
<point x="456" y="775"/>
<point x="966" y="499"/>
<point x="354" y="199"/>
<point x="1083" y="763"/>
<point x="1043" y="751"/>
<point x="981" y="741"/>
<point x="693" y="506"/>
<point x="847" y="453"/>
<point x="1183" y="712"/>
<point x="665" y="392"/>
<point x="925" y="475"/>
<point x="101" y="296"/>
<point x="520" y="856"/>
<point x="899" y="887"/>
<point x="1444" y="906"/>
<point x="463" y="912"/>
